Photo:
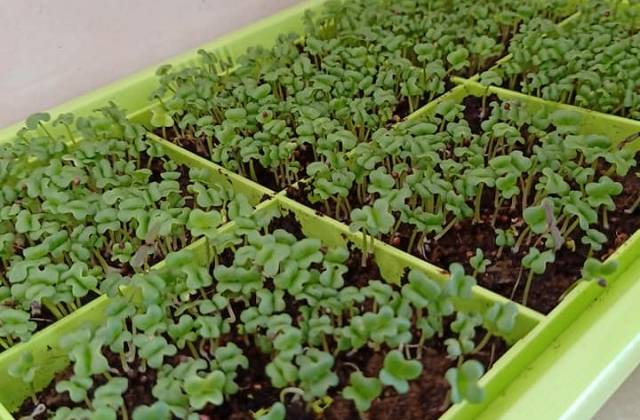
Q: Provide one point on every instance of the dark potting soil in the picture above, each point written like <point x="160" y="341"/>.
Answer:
<point x="427" y="397"/>
<point x="502" y="275"/>
<point x="289" y="223"/>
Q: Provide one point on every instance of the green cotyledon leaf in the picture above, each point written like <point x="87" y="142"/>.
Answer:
<point x="397" y="371"/>
<point x="362" y="390"/>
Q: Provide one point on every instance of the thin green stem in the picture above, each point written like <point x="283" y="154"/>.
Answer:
<point x="47" y="132"/>
<point x="634" y="206"/>
<point x="527" y="288"/>
<point x="52" y="308"/>
<point x="571" y="229"/>
<point x="123" y="362"/>
<point x="70" y="134"/>
<point x="478" y="201"/>
<point x="193" y="350"/>
<point x="521" y="238"/>
<point x="125" y="413"/>
<point x="252" y="170"/>
<point x="515" y="286"/>
<point x="412" y="240"/>
<point x="101" y="260"/>
<point x="365" y="253"/>
<point x="497" y="202"/>
<point x="482" y="342"/>
<point x="446" y="229"/>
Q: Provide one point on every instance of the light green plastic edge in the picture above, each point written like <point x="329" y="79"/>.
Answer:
<point x="584" y="349"/>
<point x="579" y="370"/>
<point x="131" y="93"/>
<point x="393" y="263"/>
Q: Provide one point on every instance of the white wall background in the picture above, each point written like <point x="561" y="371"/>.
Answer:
<point x="54" y="50"/>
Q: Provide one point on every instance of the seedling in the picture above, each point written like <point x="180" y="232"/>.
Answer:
<point x="536" y="262"/>
<point x="504" y="238"/>
<point x="372" y="222"/>
<point x="478" y="262"/>
<point x="594" y="270"/>
<point x="464" y="382"/>
<point x="397" y="371"/>
<point x="327" y="93"/>
<point x="362" y="390"/>
<point x="205" y="389"/>
<point x="417" y="181"/>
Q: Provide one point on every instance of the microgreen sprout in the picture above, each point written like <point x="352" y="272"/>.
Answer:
<point x="362" y="390"/>
<point x="266" y="113"/>
<point x="397" y="371"/>
<point x="565" y="68"/>
<point x="464" y="382"/>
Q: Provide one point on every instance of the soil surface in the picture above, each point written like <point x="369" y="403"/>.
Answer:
<point x="502" y="275"/>
<point x="427" y="397"/>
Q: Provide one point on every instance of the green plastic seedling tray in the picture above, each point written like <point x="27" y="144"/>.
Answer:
<point x="132" y="93"/>
<point x="565" y="24"/>
<point x="583" y="350"/>
<point x="44" y="344"/>
<point x="542" y="341"/>
<point x="563" y="365"/>
<point x="50" y="359"/>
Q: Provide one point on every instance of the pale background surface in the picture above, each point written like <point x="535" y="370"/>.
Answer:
<point x="52" y="51"/>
